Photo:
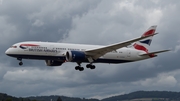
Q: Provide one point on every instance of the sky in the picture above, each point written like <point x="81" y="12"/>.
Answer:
<point x="100" y="22"/>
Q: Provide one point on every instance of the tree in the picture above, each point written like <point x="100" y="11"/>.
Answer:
<point x="8" y="99"/>
<point x="59" y="99"/>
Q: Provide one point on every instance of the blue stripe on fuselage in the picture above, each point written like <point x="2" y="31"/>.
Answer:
<point x="63" y="58"/>
<point x="38" y="57"/>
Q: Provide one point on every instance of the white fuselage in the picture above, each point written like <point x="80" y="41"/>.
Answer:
<point x="57" y="51"/>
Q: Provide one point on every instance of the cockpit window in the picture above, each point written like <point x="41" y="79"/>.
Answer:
<point x="13" y="46"/>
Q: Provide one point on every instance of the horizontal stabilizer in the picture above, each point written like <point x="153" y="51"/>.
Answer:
<point x="154" y="53"/>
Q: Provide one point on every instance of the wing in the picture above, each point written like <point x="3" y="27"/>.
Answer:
<point x="96" y="53"/>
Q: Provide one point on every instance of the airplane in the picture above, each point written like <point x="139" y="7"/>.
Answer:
<point x="55" y="54"/>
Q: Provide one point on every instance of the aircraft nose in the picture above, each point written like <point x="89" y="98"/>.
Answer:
<point x="7" y="52"/>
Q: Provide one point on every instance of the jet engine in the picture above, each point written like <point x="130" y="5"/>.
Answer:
<point x="75" y="56"/>
<point x="53" y="63"/>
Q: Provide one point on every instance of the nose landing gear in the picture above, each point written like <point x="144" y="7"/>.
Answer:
<point x="20" y="63"/>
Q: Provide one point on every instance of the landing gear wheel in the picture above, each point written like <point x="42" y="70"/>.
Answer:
<point x="20" y="63"/>
<point x="93" y="67"/>
<point x="77" y="68"/>
<point x="88" y="66"/>
<point x="81" y="69"/>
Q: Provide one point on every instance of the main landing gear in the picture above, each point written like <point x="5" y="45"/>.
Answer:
<point x="82" y="68"/>
<point x="90" y="66"/>
<point x="79" y="67"/>
<point x="20" y="63"/>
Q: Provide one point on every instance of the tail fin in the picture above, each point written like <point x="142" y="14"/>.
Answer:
<point x="145" y="43"/>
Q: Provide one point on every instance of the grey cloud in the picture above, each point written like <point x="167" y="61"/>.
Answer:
<point x="39" y="20"/>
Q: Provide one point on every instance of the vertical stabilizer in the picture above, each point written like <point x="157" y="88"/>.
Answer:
<point x="145" y="43"/>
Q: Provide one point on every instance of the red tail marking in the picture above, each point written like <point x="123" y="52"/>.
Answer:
<point x="139" y="47"/>
<point x="149" y="32"/>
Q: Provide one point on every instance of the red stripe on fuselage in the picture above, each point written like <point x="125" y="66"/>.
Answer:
<point x="28" y="45"/>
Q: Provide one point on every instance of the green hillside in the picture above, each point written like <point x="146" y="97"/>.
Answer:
<point x="134" y="96"/>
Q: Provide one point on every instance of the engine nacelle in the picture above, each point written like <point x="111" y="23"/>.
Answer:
<point x="53" y="63"/>
<point x="75" y="56"/>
